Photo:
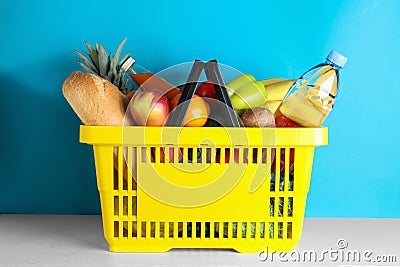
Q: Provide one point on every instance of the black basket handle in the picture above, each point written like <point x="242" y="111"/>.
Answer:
<point x="213" y="74"/>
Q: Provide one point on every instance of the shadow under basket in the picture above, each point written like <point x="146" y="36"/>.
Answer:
<point x="208" y="187"/>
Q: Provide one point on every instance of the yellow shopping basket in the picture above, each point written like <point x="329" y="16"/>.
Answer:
<point x="165" y="187"/>
<point x="202" y="187"/>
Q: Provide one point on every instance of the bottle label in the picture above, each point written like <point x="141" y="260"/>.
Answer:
<point x="313" y="98"/>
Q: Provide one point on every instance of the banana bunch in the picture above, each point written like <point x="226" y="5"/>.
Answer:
<point x="276" y="88"/>
<point x="246" y="92"/>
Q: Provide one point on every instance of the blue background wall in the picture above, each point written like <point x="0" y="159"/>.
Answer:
<point x="44" y="169"/>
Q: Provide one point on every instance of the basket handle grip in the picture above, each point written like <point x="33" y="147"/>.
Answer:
<point x="214" y="75"/>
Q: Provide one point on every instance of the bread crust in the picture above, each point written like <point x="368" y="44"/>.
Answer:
<point x="95" y="100"/>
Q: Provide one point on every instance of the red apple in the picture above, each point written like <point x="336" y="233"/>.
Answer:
<point x="149" y="107"/>
<point x="171" y="152"/>
<point x="206" y="89"/>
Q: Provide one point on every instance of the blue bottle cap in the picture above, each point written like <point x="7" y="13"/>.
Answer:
<point x="337" y="58"/>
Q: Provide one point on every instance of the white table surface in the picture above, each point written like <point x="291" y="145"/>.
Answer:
<point x="61" y="240"/>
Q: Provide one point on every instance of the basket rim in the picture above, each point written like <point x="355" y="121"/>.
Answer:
<point x="114" y="135"/>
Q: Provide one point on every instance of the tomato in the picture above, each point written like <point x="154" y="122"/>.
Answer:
<point x="130" y="94"/>
<point x="282" y="159"/>
<point x="282" y="121"/>
<point x="206" y="89"/>
<point x="197" y="113"/>
<point x="228" y="156"/>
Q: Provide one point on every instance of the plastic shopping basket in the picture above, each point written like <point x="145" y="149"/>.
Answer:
<point x="245" y="221"/>
<point x="202" y="187"/>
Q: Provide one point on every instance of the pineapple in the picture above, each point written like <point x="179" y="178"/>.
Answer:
<point x="98" y="62"/>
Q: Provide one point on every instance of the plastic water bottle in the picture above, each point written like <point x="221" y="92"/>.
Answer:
<point x="311" y="97"/>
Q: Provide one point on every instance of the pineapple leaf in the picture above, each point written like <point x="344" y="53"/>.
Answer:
<point x="97" y="61"/>
<point x="113" y="66"/>
<point x="117" y="78"/>
<point x="104" y="62"/>
<point x="93" y="55"/>
<point x="114" y="74"/>
<point x="87" y="61"/>
<point x="129" y="86"/>
<point x="86" y="68"/>
<point x="123" y="85"/>
<point x="111" y="71"/>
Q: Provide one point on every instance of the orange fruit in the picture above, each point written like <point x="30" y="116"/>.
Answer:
<point x="130" y="94"/>
<point x="197" y="113"/>
<point x="172" y="93"/>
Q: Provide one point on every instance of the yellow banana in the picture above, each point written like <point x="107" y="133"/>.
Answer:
<point x="272" y="105"/>
<point x="272" y="80"/>
<point x="277" y="91"/>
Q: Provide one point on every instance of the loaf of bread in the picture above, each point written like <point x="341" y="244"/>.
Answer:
<point x="95" y="100"/>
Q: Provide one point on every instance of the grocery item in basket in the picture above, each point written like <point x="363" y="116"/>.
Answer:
<point x="249" y="95"/>
<point x="282" y="121"/>
<point x="149" y="107"/>
<point x="271" y="105"/>
<point x="206" y="89"/>
<point x="98" y="96"/>
<point x="127" y="173"/>
<point x="98" y="62"/>
<point x="277" y="89"/>
<point x="258" y="117"/>
<point x="238" y="82"/>
<point x="197" y="113"/>
<point x="145" y="79"/>
<point x="312" y="96"/>
<point x="95" y="100"/>
<point x="240" y="229"/>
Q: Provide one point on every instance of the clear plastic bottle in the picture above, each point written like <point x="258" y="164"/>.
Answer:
<point x="311" y="97"/>
<point x="147" y="80"/>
